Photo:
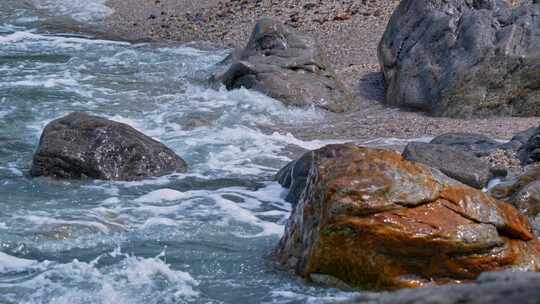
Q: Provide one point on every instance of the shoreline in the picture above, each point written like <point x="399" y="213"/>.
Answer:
<point x="347" y="32"/>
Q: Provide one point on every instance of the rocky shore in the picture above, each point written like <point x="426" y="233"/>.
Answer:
<point x="447" y="210"/>
<point x="347" y="31"/>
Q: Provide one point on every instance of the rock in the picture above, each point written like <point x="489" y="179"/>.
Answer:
<point x="529" y="153"/>
<point x="83" y="146"/>
<point x="490" y="288"/>
<point x="288" y="66"/>
<point x="294" y="177"/>
<point x="462" y="58"/>
<point x="504" y="163"/>
<point x="523" y="192"/>
<point x="371" y="219"/>
<point x="527" y="200"/>
<point x="519" y="140"/>
<point x="479" y="145"/>
<point x="454" y="162"/>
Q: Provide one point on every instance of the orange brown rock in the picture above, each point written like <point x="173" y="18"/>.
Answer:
<point x="374" y="220"/>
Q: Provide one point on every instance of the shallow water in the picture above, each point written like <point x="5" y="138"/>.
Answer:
<point x="201" y="237"/>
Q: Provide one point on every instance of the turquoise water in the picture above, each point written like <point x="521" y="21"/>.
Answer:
<point x="201" y="237"/>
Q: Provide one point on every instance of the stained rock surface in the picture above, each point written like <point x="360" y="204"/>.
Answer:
<point x="288" y="66"/>
<point x="84" y="146"/>
<point x="462" y="58"/>
<point x="371" y="219"/>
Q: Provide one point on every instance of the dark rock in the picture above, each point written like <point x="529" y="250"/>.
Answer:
<point x="285" y="65"/>
<point x="489" y="288"/>
<point x="367" y="218"/>
<point x="523" y="192"/>
<point x="454" y="162"/>
<point x="519" y="140"/>
<point x="294" y="177"/>
<point x="463" y="58"/>
<point x="527" y="200"/>
<point x="479" y="145"/>
<point x="529" y="153"/>
<point x="84" y="146"/>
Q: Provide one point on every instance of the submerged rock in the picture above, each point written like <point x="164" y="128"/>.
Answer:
<point x="371" y="219"/>
<point x="288" y="66"/>
<point x="489" y="288"/>
<point x="454" y="162"/>
<point x="83" y="146"/>
<point x="463" y="58"/>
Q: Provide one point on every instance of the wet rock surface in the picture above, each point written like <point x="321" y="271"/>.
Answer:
<point x="83" y="146"/>
<point x="489" y="288"/>
<point x="294" y="177"/>
<point x="371" y="219"/>
<point x="522" y="192"/>
<point x="463" y="58"/>
<point x="453" y="161"/>
<point x="288" y="66"/>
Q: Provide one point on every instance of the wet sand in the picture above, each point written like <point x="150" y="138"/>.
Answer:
<point x="347" y="30"/>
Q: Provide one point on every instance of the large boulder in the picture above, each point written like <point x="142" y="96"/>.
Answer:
<point x="370" y="219"/>
<point x="489" y="288"/>
<point x="288" y="66"/>
<point x="83" y="146"/>
<point x="463" y="58"/>
<point x="452" y="161"/>
<point x="478" y="144"/>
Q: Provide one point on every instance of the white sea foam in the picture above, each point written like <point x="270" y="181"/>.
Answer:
<point x="392" y="141"/>
<point x="133" y="280"/>
<point x="161" y="195"/>
<point x="48" y="221"/>
<point x="80" y="10"/>
<point x="58" y="41"/>
<point x="8" y="262"/>
<point x="12" y="168"/>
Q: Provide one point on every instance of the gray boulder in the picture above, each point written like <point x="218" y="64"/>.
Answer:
<point x="519" y="140"/>
<point x="478" y="144"/>
<point x="463" y="58"/>
<point x="489" y="288"/>
<point x="529" y="152"/>
<point x="454" y="162"/>
<point x="285" y="65"/>
<point x="83" y="146"/>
